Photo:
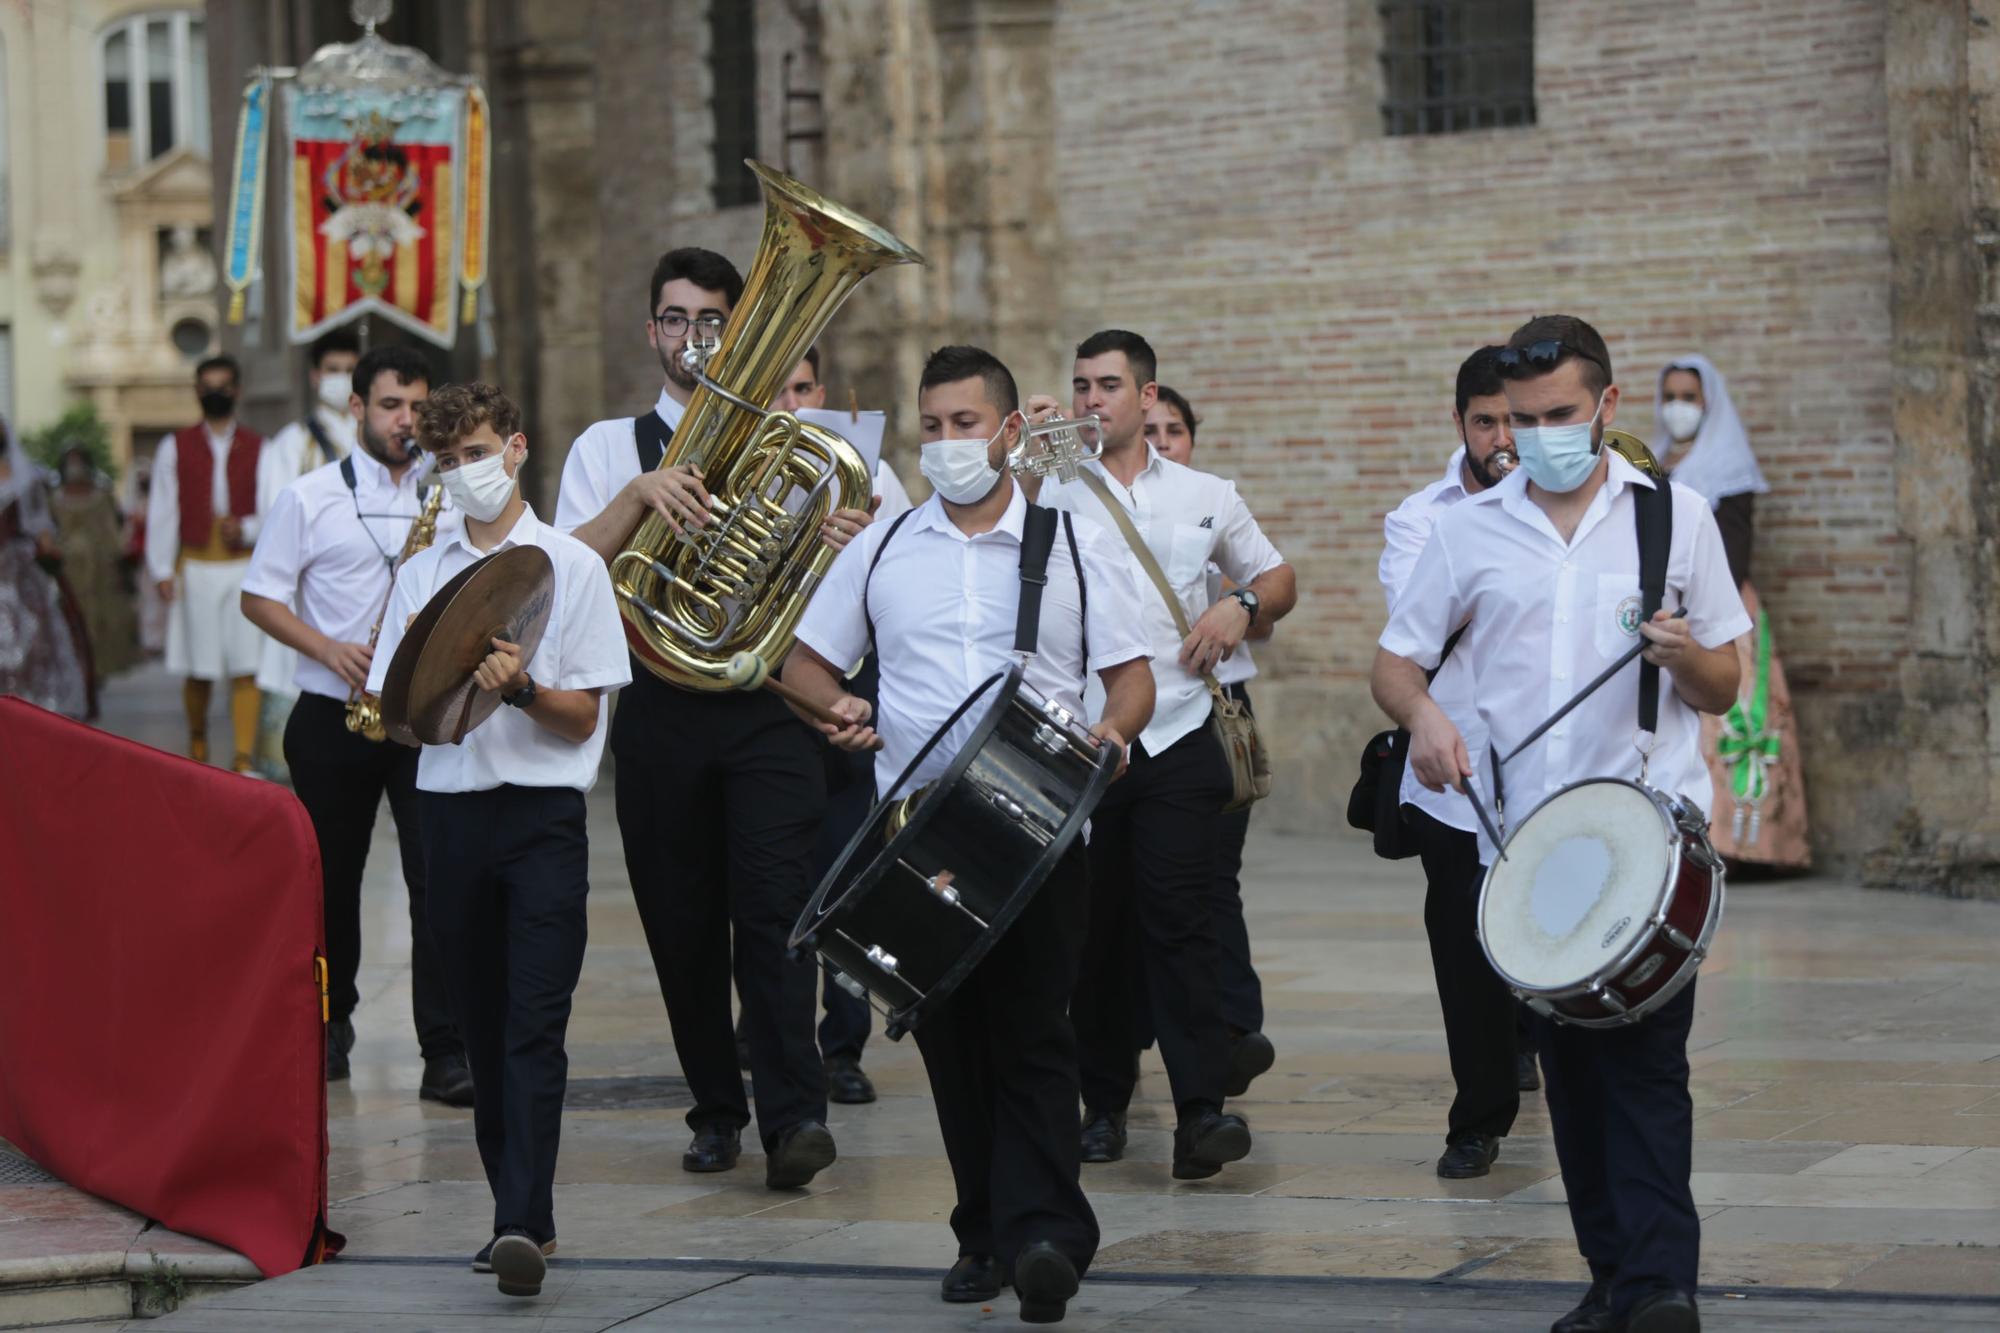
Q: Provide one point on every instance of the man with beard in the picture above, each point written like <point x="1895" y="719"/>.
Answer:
<point x="328" y="548"/>
<point x="720" y="795"/>
<point x="1488" y="1066"/>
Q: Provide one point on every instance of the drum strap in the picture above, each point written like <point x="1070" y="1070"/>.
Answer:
<point x="650" y="436"/>
<point x="1038" y="538"/>
<point x="1654" y="508"/>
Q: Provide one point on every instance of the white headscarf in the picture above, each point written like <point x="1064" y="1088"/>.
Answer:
<point x="1719" y="463"/>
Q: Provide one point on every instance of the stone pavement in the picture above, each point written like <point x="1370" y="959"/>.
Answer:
<point x="1846" y="1080"/>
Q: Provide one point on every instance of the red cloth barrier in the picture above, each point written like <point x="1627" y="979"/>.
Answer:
<point x="161" y="1037"/>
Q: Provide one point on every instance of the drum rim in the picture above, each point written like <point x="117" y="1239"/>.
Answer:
<point x="1642" y="939"/>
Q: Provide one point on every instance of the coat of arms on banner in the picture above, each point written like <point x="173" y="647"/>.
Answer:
<point x="386" y="194"/>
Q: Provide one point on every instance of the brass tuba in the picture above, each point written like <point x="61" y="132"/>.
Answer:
<point x="691" y="602"/>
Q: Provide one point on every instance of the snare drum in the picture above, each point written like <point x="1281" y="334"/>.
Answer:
<point x="935" y="877"/>
<point x="1605" y="903"/>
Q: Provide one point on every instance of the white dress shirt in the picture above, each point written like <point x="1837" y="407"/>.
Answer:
<point x="1239" y="666"/>
<point x="602" y="462"/>
<point x="582" y="648"/>
<point x="1546" y="616"/>
<point x="163" y="500"/>
<point x="293" y="452"/>
<point x="944" y="606"/>
<point x="327" y="551"/>
<point x="895" y="500"/>
<point x="1190" y="520"/>
<point x="1405" y="532"/>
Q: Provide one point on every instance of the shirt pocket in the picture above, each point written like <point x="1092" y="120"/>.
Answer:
<point x="1187" y="556"/>
<point x="1615" y="618"/>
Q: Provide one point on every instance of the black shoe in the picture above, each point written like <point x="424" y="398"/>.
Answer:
<point x="1104" y="1137"/>
<point x="1527" y="1078"/>
<point x="1250" y="1054"/>
<point x="1206" y="1142"/>
<point x="336" y="1063"/>
<point x="447" y="1079"/>
<point x="1663" y="1311"/>
<point x="797" y="1155"/>
<point x="518" y="1263"/>
<point x="483" y="1261"/>
<point x="339" y="1041"/>
<point x="1471" y="1156"/>
<point x="975" y="1277"/>
<point x="715" y="1148"/>
<point x="1045" y="1279"/>
<point x="1593" y="1315"/>
<point x="846" y="1084"/>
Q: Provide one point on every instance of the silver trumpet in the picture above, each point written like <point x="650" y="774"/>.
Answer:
<point x="1502" y="462"/>
<point x="1057" y="447"/>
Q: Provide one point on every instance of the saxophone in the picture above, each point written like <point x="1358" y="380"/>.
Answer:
<point x="364" y="710"/>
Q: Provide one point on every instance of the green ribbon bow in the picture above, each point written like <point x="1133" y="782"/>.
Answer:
<point x="1747" y="745"/>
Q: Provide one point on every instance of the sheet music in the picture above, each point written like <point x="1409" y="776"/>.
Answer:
<point x="863" y="432"/>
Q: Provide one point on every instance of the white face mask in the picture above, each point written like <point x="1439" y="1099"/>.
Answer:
<point x="335" y="387"/>
<point x="1682" y="419"/>
<point x="1559" y="458"/>
<point x="481" y="489"/>
<point x="959" y="470"/>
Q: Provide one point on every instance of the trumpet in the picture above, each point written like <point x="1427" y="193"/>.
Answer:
<point x="364" y="710"/>
<point x="1057" y="447"/>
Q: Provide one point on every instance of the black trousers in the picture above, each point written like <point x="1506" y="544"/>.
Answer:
<point x="850" y="795"/>
<point x="720" y="798"/>
<point x="1480" y="1013"/>
<point x="509" y="878"/>
<point x="1624" y="1130"/>
<point x="1002" y="1062"/>
<point x="341" y="779"/>
<point x="1242" y="992"/>
<point x="1152" y="874"/>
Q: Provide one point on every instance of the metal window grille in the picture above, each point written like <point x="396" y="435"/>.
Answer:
<point x="1451" y="65"/>
<point x="732" y="67"/>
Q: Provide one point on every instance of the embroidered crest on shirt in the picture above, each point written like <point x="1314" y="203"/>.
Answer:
<point x="1627" y="616"/>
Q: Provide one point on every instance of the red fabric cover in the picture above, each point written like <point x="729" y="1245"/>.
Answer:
<point x="194" y="461"/>
<point x="161" y="1038"/>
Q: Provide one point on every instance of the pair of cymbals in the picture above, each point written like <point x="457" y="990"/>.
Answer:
<point x="428" y="695"/>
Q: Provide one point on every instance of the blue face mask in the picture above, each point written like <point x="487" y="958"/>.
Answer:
<point x="1558" y="458"/>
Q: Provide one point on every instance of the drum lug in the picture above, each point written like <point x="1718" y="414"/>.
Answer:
<point x="882" y="959"/>
<point x="1674" y="935"/>
<point x="1055" y="710"/>
<point x="1539" y="1005"/>
<point x="1050" y="739"/>
<point x="940" y="884"/>
<point x="1611" y="1000"/>
<point x="850" y="985"/>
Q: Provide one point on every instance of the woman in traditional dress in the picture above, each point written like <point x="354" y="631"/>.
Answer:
<point x="89" y="532"/>
<point x="44" y="656"/>
<point x="1753" y="750"/>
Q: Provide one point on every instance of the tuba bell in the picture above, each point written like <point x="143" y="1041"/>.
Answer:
<point x="693" y="601"/>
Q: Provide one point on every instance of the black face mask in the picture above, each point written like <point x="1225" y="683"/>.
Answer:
<point x="217" y="404"/>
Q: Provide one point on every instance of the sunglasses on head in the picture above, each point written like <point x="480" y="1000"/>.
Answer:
<point x="1541" y="357"/>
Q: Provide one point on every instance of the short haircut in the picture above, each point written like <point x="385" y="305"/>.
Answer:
<point x="457" y="410"/>
<point x="812" y="359"/>
<point x="406" y="363"/>
<point x="704" y="268"/>
<point x="1175" y="399"/>
<point x="949" y="365"/>
<point x="227" y="363"/>
<point x="1138" y="352"/>
<point x="1479" y="376"/>
<point x="1578" y="339"/>
<point x="339" y="340"/>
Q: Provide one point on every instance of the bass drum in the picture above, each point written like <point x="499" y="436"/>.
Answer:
<point x="935" y="876"/>
<point x="1604" y="903"/>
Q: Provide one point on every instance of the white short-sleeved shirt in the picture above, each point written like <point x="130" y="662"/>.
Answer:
<point x="1545" y="617"/>
<point x="602" y="462"/>
<point x="1239" y="666"/>
<point x="327" y="551"/>
<point x="895" y="500"/>
<point x="1405" y="532"/>
<point x="944" y="606"/>
<point x="1190" y="520"/>
<point x="582" y="648"/>
<point x="294" y="451"/>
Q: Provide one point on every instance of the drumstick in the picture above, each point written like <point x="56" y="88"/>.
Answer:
<point x="747" y="671"/>
<point x="1485" y="820"/>
<point x="1585" y="692"/>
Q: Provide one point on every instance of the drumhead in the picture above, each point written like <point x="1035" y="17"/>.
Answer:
<point x="1582" y="876"/>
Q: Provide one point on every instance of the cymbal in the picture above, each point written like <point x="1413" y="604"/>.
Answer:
<point x="428" y="695"/>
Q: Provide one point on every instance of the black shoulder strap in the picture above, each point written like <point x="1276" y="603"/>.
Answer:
<point x="1445" y="656"/>
<point x="869" y="577"/>
<point x="320" y="437"/>
<point x="1653" y="507"/>
<point x="1038" y="538"/>
<point x="347" y="471"/>
<point x="1082" y="594"/>
<point x="651" y="435"/>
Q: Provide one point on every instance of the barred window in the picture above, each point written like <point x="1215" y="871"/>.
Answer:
<point x="732" y="68"/>
<point x="155" y="82"/>
<point x="1450" y="65"/>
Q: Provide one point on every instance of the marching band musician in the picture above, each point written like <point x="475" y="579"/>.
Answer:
<point x="503" y="817"/>
<point x="1543" y="569"/>
<point x="201" y="521"/>
<point x="938" y="592"/>
<point x="328" y="548"/>
<point x="737" y="766"/>
<point x="1488" y="1070"/>
<point x="1153" y="841"/>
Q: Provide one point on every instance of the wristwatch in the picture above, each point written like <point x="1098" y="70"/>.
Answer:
<point x="1248" y="600"/>
<point x="522" y="697"/>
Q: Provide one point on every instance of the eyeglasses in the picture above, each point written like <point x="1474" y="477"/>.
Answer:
<point x="674" y="324"/>
<point x="1541" y="357"/>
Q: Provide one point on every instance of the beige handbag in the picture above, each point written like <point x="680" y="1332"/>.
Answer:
<point x="1234" y="728"/>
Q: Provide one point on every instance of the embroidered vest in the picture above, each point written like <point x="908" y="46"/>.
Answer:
<point x="194" y="461"/>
